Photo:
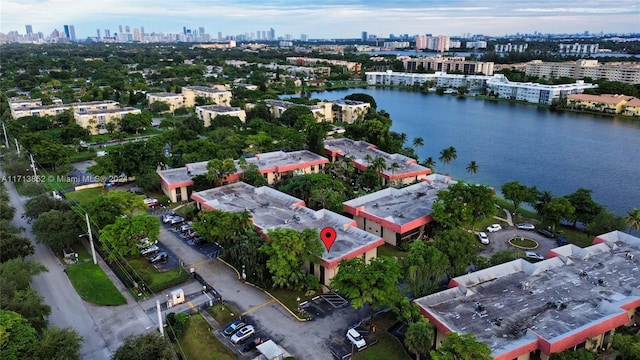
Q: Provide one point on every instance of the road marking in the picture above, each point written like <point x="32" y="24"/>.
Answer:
<point x="193" y="307"/>
<point x="257" y="307"/>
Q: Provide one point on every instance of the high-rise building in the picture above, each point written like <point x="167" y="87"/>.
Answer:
<point x="66" y="31"/>
<point x="107" y="33"/>
<point x="29" y="29"/>
<point x="184" y="30"/>
<point x="98" y="34"/>
<point x="303" y="37"/>
<point x="72" y="32"/>
<point x="136" y="35"/>
<point x="142" y="31"/>
<point x="201" y="32"/>
<point x="127" y="29"/>
<point x="120" y="28"/>
<point x="272" y="34"/>
<point x="219" y="35"/>
<point x="258" y="35"/>
<point x="365" y="36"/>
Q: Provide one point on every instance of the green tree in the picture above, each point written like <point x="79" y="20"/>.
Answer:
<point x="311" y="189"/>
<point x="605" y="222"/>
<point x="59" y="344"/>
<point x="571" y="354"/>
<point x="18" y="339"/>
<point x="374" y="284"/>
<point x="633" y="219"/>
<point x="429" y="163"/>
<point x="418" y="142"/>
<point x="104" y="210"/>
<point x="158" y="107"/>
<point x="251" y="175"/>
<point x="288" y="251"/>
<point x="13" y="245"/>
<point x="503" y="256"/>
<point x="133" y="123"/>
<point x="17" y="295"/>
<point x="459" y="246"/>
<point x="419" y="338"/>
<point x="447" y="155"/>
<point x="364" y="98"/>
<point x="290" y="116"/>
<point x="517" y="193"/>
<point x="123" y="236"/>
<point x="628" y="346"/>
<point x="217" y="170"/>
<point x="557" y="209"/>
<point x="41" y="204"/>
<point x="541" y="200"/>
<point x="586" y="209"/>
<point x="461" y="347"/>
<point x="472" y="168"/>
<point x="463" y="204"/>
<point x="424" y="267"/>
<point x="57" y="229"/>
<point x="150" y="346"/>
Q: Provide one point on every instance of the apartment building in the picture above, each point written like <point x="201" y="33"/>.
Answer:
<point x="578" y="49"/>
<point x="349" y="65"/>
<point x="440" y="43"/>
<point x="398" y="169"/>
<point x="447" y="64"/>
<point x="440" y="79"/>
<point x="274" y="166"/>
<point x="501" y="87"/>
<point x="509" y="47"/>
<point x="398" y="215"/>
<point x="322" y="111"/>
<point x="632" y="108"/>
<point x="625" y="72"/>
<point x="96" y="120"/>
<point x="217" y="96"/>
<point x="348" y="111"/>
<point x="175" y="101"/>
<point x="33" y="107"/>
<point x="608" y="103"/>
<point x="271" y="209"/>
<point x="575" y="298"/>
<point x="207" y="113"/>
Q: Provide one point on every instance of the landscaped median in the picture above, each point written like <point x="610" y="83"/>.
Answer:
<point x="93" y="285"/>
<point x="158" y="280"/>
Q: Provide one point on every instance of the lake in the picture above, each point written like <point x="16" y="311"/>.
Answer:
<point x="556" y="151"/>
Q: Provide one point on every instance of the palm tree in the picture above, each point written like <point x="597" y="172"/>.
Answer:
<point x="418" y="142"/>
<point x="379" y="165"/>
<point x="429" y="163"/>
<point x="419" y="338"/>
<point x="368" y="158"/>
<point x="472" y="168"/>
<point x="448" y="154"/>
<point x="633" y="219"/>
<point x="394" y="167"/>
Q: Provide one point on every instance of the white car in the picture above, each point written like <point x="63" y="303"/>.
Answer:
<point x="149" y="250"/>
<point x="493" y="228"/>
<point x="484" y="239"/>
<point x="243" y="334"/>
<point x="354" y="336"/>
<point x="533" y="256"/>
<point x="146" y="242"/>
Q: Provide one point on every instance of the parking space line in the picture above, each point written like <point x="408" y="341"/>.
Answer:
<point x="257" y="307"/>
<point x="193" y="307"/>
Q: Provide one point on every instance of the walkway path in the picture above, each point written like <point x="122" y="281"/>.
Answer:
<point x="508" y="219"/>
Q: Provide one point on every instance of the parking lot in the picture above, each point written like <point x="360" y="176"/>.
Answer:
<point x="245" y="348"/>
<point x="341" y="348"/>
<point x="322" y="305"/>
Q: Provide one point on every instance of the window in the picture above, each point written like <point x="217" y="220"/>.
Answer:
<point x="313" y="168"/>
<point x="178" y="194"/>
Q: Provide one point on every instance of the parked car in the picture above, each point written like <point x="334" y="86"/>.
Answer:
<point x="159" y="257"/>
<point x="562" y="241"/>
<point x="185" y="227"/>
<point x="168" y="216"/>
<point x="546" y="233"/>
<point x="484" y="239"/>
<point x="149" y="250"/>
<point x="493" y="228"/>
<point x="252" y="343"/>
<point x="526" y="226"/>
<point x="243" y="334"/>
<point x="356" y="339"/>
<point x="176" y="220"/>
<point x="234" y="326"/>
<point x="145" y="243"/>
<point x="533" y="256"/>
<point x="151" y="202"/>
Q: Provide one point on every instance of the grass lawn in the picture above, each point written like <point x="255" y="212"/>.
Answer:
<point x="524" y="243"/>
<point x="198" y="343"/>
<point x="158" y="280"/>
<point x="290" y="298"/>
<point x="388" y="347"/>
<point x="82" y="156"/>
<point x="85" y="196"/>
<point x="93" y="285"/>
<point x="392" y="251"/>
<point x="223" y="313"/>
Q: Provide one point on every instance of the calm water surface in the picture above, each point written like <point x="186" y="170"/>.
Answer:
<point x="558" y="152"/>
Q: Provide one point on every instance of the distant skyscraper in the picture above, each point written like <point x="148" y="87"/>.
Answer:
<point x="272" y="34"/>
<point x="66" y="31"/>
<point x="107" y="33"/>
<point x="201" y="32"/>
<point x="142" y="31"/>
<point x="219" y="35"/>
<point x="29" y="29"/>
<point x="303" y="37"/>
<point x="365" y="36"/>
<point x="258" y="35"/>
<point x="120" y="28"/>
<point x="98" y="33"/>
<point x="264" y="35"/>
<point x="72" y="32"/>
<point x="127" y="29"/>
<point x="136" y="35"/>
<point x="184" y="30"/>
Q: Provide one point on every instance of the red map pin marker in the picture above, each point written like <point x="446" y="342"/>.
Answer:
<point x="328" y="236"/>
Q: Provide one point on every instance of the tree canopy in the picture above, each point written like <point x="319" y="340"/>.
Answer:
<point x="150" y="346"/>
<point x="517" y="193"/>
<point x="58" y="229"/>
<point x="461" y="347"/>
<point x="123" y="236"/>
<point x="424" y="267"/>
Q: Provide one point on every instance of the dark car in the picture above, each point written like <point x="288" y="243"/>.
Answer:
<point x="159" y="257"/>
<point x="546" y="233"/>
<point x="252" y="343"/>
<point x="562" y="241"/>
<point x="233" y="327"/>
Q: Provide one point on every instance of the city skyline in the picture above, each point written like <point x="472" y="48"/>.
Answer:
<point x="326" y="18"/>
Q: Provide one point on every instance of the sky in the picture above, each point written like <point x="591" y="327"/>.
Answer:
<point x="325" y="18"/>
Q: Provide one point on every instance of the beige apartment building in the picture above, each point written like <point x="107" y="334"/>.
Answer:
<point x="349" y="111"/>
<point x="451" y="64"/>
<point x="207" y="113"/>
<point x="322" y="111"/>
<point x="625" y="72"/>
<point x="96" y="120"/>
<point x="33" y="107"/>
<point x="174" y="100"/>
<point x="217" y="96"/>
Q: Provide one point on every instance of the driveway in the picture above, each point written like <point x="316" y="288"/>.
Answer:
<point x="305" y="340"/>
<point x="500" y="241"/>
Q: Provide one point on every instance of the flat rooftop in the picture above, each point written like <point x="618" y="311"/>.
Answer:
<point x="400" y="206"/>
<point x="218" y="108"/>
<point x="273" y="209"/>
<point x="358" y="151"/>
<point x="278" y="161"/>
<point x="287" y="104"/>
<point x="165" y="94"/>
<point x="108" y="111"/>
<point x="204" y="89"/>
<point x="557" y="300"/>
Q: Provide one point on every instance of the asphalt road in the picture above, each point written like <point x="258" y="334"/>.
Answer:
<point x="103" y="328"/>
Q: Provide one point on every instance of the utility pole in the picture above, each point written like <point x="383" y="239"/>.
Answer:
<point x="6" y="139"/>
<point x="17" y="146"/>
<point x="160" y="324"/>
<point x="93" y="250"/>
<point x="33" y="167"/>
